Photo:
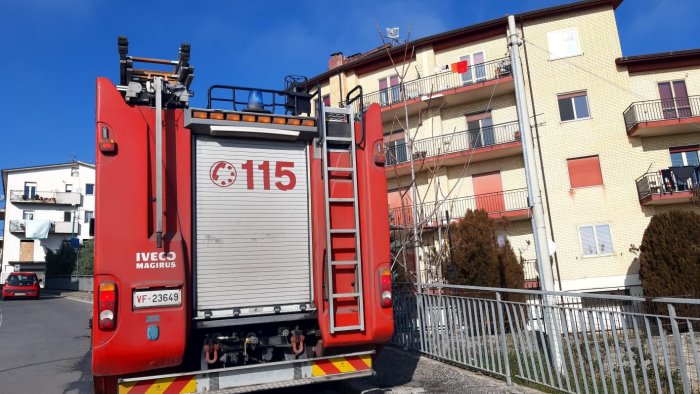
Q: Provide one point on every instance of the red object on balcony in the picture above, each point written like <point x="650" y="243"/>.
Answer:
<point x="459" y="67"/>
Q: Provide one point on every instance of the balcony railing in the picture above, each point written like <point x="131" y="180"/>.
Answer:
<point x="668" y="181"/>
<point x="532" y="277"/>
<point x="476" y="73"/>
<point x="57" y="227"/>
<point x="58" y="198"/>
<point x="455" y="142"/>
<point x="431" y="213"/>
<point x="653" y="110"/>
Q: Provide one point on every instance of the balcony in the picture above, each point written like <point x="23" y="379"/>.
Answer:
<point x="663" y="117"/>
<point x="51" y="198"/>
<point x="668" y="186"/>
<point x="510" y="204"/>
<point x="18" y="226"/>
<point x="492" y="142"/>
<point x="481" y="81"/>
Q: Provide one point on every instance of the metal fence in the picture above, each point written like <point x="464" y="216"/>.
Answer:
<point x="476" y="73"/>
<point x="459" y="141"/>
<point x="566" y="342"/>
<point x="432" y="213"/>
<point x="653" y="110"/>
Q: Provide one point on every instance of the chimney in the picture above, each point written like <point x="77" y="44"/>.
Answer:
<point x="337" y="59"/>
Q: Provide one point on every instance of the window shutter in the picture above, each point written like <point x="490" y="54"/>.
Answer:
<point x="584" y="171"/>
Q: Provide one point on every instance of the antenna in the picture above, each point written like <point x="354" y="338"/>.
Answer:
<point x="392" y="33"/>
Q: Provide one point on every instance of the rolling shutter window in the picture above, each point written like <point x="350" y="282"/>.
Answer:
<point x="584" y="171"/>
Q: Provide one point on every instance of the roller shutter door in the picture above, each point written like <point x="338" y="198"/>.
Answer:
<point x="252" y="235"/>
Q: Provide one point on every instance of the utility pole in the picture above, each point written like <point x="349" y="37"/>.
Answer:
<point x="539" y="231"/>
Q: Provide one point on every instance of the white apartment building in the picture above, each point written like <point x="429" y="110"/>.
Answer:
<point x="60" y="196"/>
<point x="616" y="138"/>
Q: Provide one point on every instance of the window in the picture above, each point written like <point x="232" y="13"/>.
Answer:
<point x="69" y="187"/>
<point x="595" y="240"/>
<point x="584" y="171"/>
<point x="476" y="72"/>
<point x="396" y="148"/>
<point x="389" y="92"/>
<point x="327" y="100"/>
<point x="28" y="215"/>
<point x="563" y="43"/>
<point x="674" y="100"/>
<point x="88" y="216"/>
<point x="29" y="190"/>
<point x="684" y="156"/>
<point x="89" y="189"/>
<point x="480" y="130"/>
<point x="67" y="216"/>
<point x="573" y="106"/>
<point x="74" y="171"/>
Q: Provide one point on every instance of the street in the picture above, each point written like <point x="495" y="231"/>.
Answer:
<point x="45" y="346"/>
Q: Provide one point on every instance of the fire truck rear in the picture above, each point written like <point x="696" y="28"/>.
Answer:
<point x="240" y="246"/>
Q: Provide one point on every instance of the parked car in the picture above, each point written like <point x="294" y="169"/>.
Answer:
<point x="21" y="284"/>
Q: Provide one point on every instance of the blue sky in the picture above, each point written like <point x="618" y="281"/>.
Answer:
<point x="52" y="50"/>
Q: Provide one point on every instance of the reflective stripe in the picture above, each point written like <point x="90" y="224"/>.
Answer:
<point x="340" y="365"/>
<point x="172" y="385"/>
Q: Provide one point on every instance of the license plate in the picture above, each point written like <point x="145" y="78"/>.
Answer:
<point x="157" y="298"/>
<point x="20" y="293"/>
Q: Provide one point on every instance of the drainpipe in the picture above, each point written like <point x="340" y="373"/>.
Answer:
<point x="539" y="151"/>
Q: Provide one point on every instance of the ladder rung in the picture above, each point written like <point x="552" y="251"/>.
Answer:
<point x="348" y="328"/>
<point x="344" y="262"/>
<point x="344" y="169"/>
<point x="346" y="295"/>
<point x="338" y="139"/>
<point x="336" y="199"/>
<point x="342" y="231"/>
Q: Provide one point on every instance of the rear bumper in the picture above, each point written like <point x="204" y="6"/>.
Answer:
<point x="257" y="377"/>
<point x="19" y="292"/>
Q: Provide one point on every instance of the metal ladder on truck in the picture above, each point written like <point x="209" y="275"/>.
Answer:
<point x="343" y="252"/>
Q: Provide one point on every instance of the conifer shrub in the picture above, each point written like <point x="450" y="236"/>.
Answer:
<point x="477" y="258"/>
<point x="669" y="260"/>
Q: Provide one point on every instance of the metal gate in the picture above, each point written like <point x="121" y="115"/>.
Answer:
<point x="252" y="248"/>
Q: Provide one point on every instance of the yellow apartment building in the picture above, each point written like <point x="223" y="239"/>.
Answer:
<point x="616" y="138"/>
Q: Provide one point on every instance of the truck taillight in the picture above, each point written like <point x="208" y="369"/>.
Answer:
<point x="107" y="306"/>
<point x="385" y="299"/>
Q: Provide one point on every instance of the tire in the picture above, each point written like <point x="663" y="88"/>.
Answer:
<point x="3" y="297"/>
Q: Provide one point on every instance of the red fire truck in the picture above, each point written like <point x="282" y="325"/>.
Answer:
<point x="240" y="246"/>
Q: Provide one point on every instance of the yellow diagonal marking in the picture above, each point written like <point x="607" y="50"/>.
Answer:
<point x="160" y="385"/>
<point x="367" y="359"/>
<point x="124" y="388"/>
<point x="191" y="386"/>
<point x="317" y="371"/>
<point x="342" y="365"/>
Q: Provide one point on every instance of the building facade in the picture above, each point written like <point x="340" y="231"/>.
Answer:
<point x="616" y="138"/>
<point x="59" y="196"/>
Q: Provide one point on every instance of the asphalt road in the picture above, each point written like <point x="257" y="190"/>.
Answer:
<point x="44" y="346"/>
